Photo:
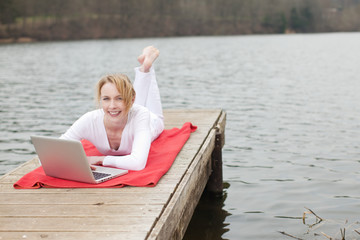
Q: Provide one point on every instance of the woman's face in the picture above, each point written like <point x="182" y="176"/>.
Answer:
<point x="112" y="102"/>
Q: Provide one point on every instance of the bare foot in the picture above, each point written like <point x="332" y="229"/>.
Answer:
<point x="147" y="58"/>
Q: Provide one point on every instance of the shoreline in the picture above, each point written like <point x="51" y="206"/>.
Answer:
<point x="17" y="40"/>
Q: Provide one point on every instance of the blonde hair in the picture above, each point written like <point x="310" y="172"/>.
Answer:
<point x="123" y="85"/>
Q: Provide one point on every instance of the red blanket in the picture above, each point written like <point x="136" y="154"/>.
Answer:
<point x="162" y="154"/>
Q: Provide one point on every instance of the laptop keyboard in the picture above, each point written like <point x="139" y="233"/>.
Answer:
<point x="98" y="175"/>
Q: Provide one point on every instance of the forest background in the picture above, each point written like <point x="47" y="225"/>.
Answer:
<point x="46" y="20"/>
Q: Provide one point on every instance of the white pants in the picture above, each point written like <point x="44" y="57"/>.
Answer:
<point x="148" y="95"/>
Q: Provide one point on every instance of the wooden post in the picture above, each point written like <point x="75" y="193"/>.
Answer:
<point x="215" y="182"/>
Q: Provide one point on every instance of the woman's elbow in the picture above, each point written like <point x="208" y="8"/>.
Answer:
<point x="140" y="165"/>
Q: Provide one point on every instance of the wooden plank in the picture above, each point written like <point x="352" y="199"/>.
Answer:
<point x="82" y="198"/>
<point x="90" y="235"/>
<point x="76" y="224"/>
<point x="196" y="117"/>
<point x="166" y="187"/>
<point x="53" y="210"/>
<point x="23" y="168"/>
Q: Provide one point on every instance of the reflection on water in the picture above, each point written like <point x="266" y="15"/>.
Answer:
<point x="293" y="111"/>
<point x="209" y="219"/>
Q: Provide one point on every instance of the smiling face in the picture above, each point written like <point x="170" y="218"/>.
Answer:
<point x="115" y="95"/>
<point x="112" y="102"/>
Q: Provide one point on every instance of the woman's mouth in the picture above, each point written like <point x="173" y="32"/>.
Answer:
<point x="114" y="113"/>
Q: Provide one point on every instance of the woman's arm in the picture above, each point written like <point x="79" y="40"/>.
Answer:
<point x="136" y="160"/>
<point x="84" y="127"/>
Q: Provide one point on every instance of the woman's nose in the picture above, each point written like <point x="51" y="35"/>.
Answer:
<point x="112" y="103"/>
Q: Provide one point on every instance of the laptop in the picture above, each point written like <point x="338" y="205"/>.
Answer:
<point x="66" y="159"/>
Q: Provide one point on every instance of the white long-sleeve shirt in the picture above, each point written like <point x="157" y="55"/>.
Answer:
<point x="141" y="129"/>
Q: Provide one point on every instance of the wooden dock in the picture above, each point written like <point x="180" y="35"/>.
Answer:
<point x="160" y="212"/>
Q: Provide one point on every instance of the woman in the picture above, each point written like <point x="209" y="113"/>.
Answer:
<point x="130" y="117"/>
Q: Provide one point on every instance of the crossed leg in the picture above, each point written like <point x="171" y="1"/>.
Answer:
<point x="147" y="90"/>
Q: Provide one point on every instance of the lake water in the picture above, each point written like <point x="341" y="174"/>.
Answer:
<point x="293" y="120"/>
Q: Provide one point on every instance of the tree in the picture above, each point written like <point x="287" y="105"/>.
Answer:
<point x="8" y="11"/>
<point x="275" y="23"/>
<point x="301" y="22"/>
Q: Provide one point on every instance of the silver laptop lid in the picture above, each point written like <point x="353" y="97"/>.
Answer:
<point x="63" y="158"/>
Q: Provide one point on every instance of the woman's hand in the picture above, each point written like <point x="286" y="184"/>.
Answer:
<point x="95" y="160"/>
